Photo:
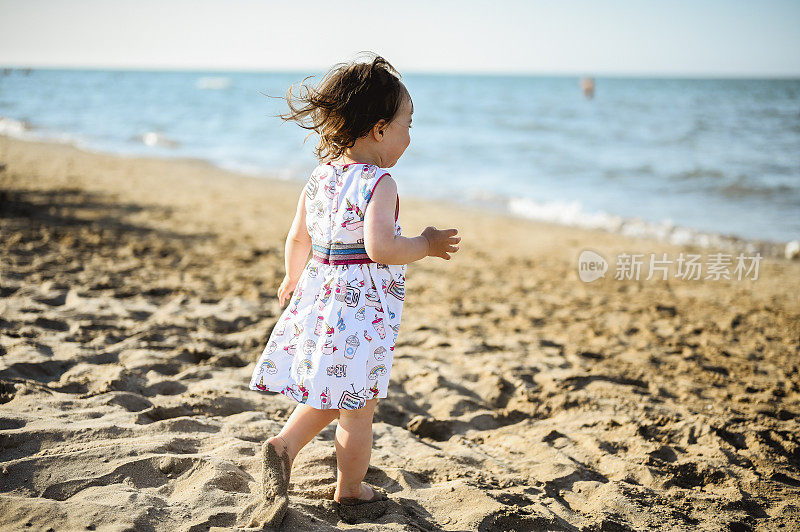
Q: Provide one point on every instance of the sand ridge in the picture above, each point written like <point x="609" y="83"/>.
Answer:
<point x="137" y="293"/>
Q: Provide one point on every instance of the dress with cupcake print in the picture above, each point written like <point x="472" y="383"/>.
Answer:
<point x="333" y="345"/>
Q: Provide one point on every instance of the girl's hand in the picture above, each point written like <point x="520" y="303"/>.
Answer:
<point x="287" y="287"/>
<point x="441" y="241"/>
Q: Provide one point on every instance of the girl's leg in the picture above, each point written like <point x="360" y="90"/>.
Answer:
<point x="304" y="423"/>
<point x="353" y="449"/>
<point x="301" y="427"/>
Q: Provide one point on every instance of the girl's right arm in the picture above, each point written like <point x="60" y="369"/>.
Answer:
<point x="380" y="241"/>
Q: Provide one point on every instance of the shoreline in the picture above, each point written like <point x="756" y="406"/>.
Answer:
<point x="137" y="294"/>
<point x="514" y="208"/>
<point x="476" y="220"/>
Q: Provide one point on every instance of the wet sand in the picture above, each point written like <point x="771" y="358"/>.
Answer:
<point x="136" y="295"/>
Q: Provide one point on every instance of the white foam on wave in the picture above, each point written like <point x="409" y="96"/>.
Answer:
<point x="572" y="213"/>
<point x="214" y="83"/>
<point x="24" y="130"/>
<point x="565" y="213"/>
<point x="153" y="138"/>
<point x="13" y="128"/>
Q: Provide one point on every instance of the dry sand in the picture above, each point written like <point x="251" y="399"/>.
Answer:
<point x="136" y="295"/>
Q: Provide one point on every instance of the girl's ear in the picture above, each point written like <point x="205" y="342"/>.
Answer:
<point x="378" y="130"/>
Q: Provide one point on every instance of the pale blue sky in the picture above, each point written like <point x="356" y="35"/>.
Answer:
<point x="693" y="38"/>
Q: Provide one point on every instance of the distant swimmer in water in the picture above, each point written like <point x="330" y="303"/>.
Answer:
<point x="587" y="84"/>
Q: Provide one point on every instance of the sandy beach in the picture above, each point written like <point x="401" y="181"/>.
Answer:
<point x="136" y="294"/>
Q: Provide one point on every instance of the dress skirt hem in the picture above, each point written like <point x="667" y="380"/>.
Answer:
<point x="314" y="404"/>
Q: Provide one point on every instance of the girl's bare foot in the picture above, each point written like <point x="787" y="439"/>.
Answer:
<point x="370" y="504"/>
<point x="286" y="460"/>
<point x="270" y="509"/>
<point x="367" y="493"/>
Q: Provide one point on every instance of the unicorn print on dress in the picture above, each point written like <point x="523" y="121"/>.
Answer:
<point x="328" y="348"/>
<point x="298" y="392"/>
<point x="374" y="389"/>
<point x="353" y="218"/>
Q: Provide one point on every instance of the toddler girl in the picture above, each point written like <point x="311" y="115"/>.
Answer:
<point x="332" y="348"/>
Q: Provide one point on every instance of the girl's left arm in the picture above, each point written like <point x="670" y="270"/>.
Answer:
<point x="298" y="242"/>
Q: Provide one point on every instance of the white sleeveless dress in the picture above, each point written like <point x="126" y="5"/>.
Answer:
<point x="333" y="345"/>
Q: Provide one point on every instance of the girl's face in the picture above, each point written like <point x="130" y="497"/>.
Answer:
<point x="396" y="136"/>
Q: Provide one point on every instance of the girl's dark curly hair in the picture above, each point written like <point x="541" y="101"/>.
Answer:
<point x="347" y="103"/>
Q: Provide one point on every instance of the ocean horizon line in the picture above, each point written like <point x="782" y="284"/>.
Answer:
<point x="682" y="76"/>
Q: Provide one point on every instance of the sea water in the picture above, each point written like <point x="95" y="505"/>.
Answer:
<point x="686" y="160"/>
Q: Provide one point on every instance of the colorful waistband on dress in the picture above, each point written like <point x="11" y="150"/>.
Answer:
<point x="340" y="254"/>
